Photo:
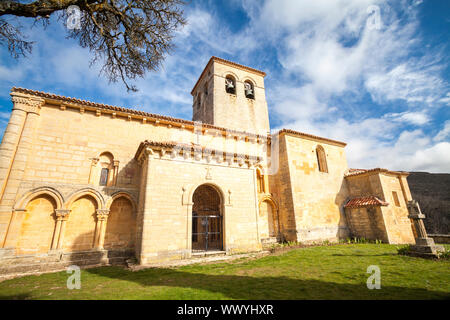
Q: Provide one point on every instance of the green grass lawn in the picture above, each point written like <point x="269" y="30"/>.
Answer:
<point x="328" y="272"/>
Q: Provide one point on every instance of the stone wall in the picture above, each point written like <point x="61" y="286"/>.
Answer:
<point x="367" y="223"/>
<point x="317" y="197"/>
<point x="281" y="189"/>
<point x="398" y="225"/>
<point x="166" y="213"/>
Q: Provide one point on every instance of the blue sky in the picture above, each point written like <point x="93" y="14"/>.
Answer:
<point x="382" y="88"/>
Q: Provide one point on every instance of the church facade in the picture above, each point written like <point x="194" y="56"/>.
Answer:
<point x="87" y="183"/>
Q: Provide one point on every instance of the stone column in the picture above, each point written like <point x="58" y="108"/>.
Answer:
<point x="266" y="182"/>
<point x="10" y="140"/>
<point x="18" y="158"/>
<point x="61" y="217"/>
<point x="14" y="227"/>
<point x="100" y="229"/>
<point x="145" y="204"/>
<point x="92" y="172"/>
<point x="116" y="172"/>
<point x="189" y="206"/>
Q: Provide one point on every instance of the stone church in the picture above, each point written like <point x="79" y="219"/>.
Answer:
<point x="87" y="183"/>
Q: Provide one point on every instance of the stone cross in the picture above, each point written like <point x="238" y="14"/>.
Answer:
<point x="424" y="246"/>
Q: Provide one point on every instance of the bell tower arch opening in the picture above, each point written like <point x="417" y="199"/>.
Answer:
<point x="207" y="219"/>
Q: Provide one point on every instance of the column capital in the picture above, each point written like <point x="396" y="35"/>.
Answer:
<point x="102" y="214"/>
<point x="26" y="103"/>
<point x="62" y="214"/>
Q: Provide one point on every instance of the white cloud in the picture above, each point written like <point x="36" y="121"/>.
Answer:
<point x="404" y="83"/>
<point x="446" y="99"/>
<point x="444" y="133"/>
<point x="414" y="118"/>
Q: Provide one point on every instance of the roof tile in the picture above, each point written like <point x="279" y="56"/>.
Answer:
<point x="369" y="201"/>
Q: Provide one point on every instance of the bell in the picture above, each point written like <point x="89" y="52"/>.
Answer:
<point x="230" y="84"/>
<point x="248" y="92"/>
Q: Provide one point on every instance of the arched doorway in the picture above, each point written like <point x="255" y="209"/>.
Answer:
<point x="207" y="220"/>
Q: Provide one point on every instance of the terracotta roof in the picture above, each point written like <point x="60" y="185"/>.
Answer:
<point x="365" y="202"/>
<point x="230" y="63"/>
<point x="128" y="111"/>
<point x="307" y="135"/>
<point x="190" y="147"/>
<point x="356" y="172"/>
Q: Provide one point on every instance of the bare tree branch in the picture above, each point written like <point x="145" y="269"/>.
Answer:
<point x="130" y="37"/>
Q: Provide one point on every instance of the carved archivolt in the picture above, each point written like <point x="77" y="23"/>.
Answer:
<point x="41" y="191"/>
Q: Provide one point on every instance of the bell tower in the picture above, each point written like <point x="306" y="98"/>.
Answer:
<point x="232" y="96"/>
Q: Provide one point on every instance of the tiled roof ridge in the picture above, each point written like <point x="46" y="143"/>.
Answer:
<point x="359" y="202"/>
<point x="355" y="172"/>
<point x="128" y="110"/>
<point x="311" y="136"/>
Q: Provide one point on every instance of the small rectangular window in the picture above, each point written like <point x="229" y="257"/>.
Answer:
<point x="396" y="201"/>
<point x="104" y="177"/>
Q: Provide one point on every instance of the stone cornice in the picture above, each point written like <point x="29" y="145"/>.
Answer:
<point x="160" y="149"/>
<point x="312" y="137"/>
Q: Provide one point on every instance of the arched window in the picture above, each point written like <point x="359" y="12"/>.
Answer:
<point x="249" y="90"/>
<point x="205" y="89"/>
<point x="321" y="159"/>
<point x="230" y="85"/>
<point x="104" y="170"/>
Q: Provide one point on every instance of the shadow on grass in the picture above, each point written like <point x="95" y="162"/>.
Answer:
<point x="364" y="255"/>
<point x="21" y="296"/>
<point x="172" y="284"/>
<point x="261" y="288"/>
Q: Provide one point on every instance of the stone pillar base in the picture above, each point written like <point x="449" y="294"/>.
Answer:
<point x="426" y="251"/>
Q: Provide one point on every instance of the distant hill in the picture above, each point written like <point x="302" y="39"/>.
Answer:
<point x="432" y="190"/>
